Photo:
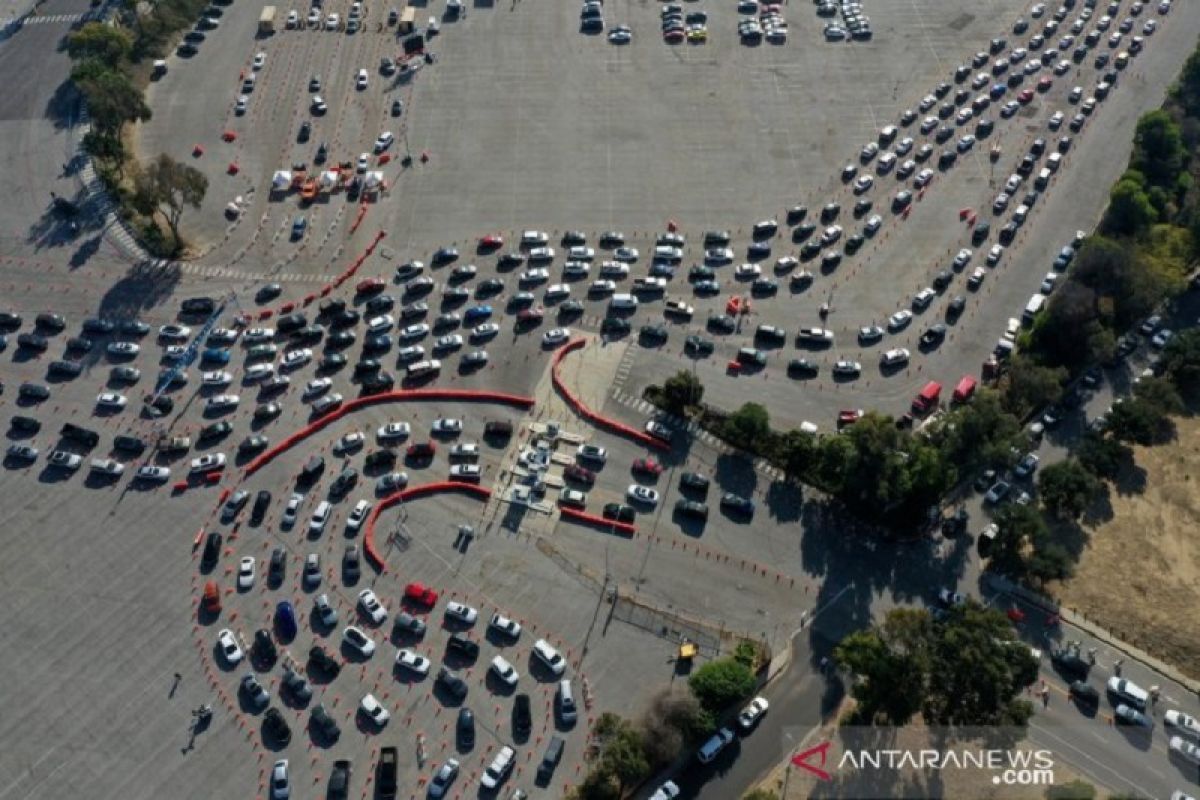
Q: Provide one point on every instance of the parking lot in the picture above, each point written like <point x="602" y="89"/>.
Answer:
<point x="526" y="124"/>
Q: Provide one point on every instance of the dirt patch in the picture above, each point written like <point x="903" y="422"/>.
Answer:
<point x="1139" y="575"/>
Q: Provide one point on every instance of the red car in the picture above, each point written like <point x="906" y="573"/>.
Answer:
<point x="420" y="594"/>
<point x="1025" y="96"/>
<point x="577" y="473"/>
<point x="648" y="465"/>
<point x="422" y="450"/>
<point x="527" y="315"/>
<point x="491" y="242"/>
<point x="849" y="417"/>
<point x="1045" y="83"/>
<point x="674" y="36"/>
<point x="370" y="285"/>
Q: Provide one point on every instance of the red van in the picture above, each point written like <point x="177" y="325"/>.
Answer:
<point x="212" y="598"/>
<point x="965" y="389"/>
<point x="927" y="400"/>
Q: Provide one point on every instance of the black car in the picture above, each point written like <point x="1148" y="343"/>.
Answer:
<point x="277" y="566"/>
<point x="50" y="322"/>
<point x="32" y="341"/>
<point x="1008" y="233"/>
<point x="1084" y="694"/>
<point x="79" y="435"/>
<point x="619" y="512"/>
<point x="615" y="326"/>
<point x="803" y="231"/>
<point x="330" y="306"/>
<point x="212" y="549"/>
<point x="380" y="458"/>
<point x="1070" y="663"/>
<point x="382" y="381"/>
<point x="79" y="344"/>
<point x="722" y="323"/>
<point x="312" y="468"/>
<point x="351" y="564"/>
<point x="737" y="504"/>
<point x="340" y="340"/>
<point x="407" y="624"/>
<point x="796" y="214"/>
<point x="198" y="305"/>
<point x="956" y="307"/>
<point x="980" y="234"/>
<point x="933" y="335"/>
<point x="264" y="648"/>
<point x="262" y="501"/>
<point x="344" y="318"/>
<point x="694" y="481"/>
<point x="691" y="508"/>
<point x="98" y="326"/>
<point x="942" y="280"/>
<point x="69" y="369"/>
<point x="453" y="684"/>
<point x="344" y="482"/>
<point x="290" y="323"/>
<point x="275" y="726"/>
<point x="295" y="685"/>
<point x="653" y="333"/>
<point x="331" y="362"/>
<point x="802" y="367"/>
<point x="33" y="391"/>
<point x="463" y="647"/>
<point x="309" y="334"/>
<point x="830" y="212"/>
<point x="339" y="778"/>
<point x="130" y="444"/>
<point x="522" y="719"/>
<point x="10" y="320"/>
<point x="322" y="721"/>
<point x="216" y="430"/>
<point x="380" y="303"/>
<point x="464" y="729"/>
<point x="320" y="661"/>
<point x="26" y="424"/>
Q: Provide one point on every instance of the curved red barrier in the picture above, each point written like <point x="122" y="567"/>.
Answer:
<point x="591" y="416"/>
<point x="404" y="495"/>
<point x="592" y="519"/>
<point x="400" y="395"/>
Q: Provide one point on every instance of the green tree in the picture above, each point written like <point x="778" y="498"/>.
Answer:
<point x="681" y="391"/>
<point x="977" y="435"/>
<point x="980" y="671"/>
<point x="1160" y="393"/>
<point x="112" y="99"/>
<point x="1067" y="488"/>
<point x="165" y="187"/>
<point x="599" y="784"/>
<point x="626" y="759"/>
<point x="1102" y="456"/>
<point x="721" y="683"/>
<point x="1075" y="790"/>
<point x="1188" y="88"/>
<point x="1138" y="422"/>
<point x="1018" y="527"/>
<point x="1181" y="363"/>
<point x="835" y="455"/>
<point x="106" y="43"/>
<point x="890" y="664"/>
<point x="1159" y="152"/>
<point x="1030" y="386"/>
<point x="749" y="426"/>
<point x="674" y="720"/>
<point x="1049" y="560"/>
<point x="798" y="453"/>
<point x="1129" y="208"/>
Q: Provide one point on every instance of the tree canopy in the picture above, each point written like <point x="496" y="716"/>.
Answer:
<point x="720" y="683"/>
<point x="1067" y="488"/>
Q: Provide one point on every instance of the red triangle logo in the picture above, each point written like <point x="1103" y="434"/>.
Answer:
<point x="802" y="760"/>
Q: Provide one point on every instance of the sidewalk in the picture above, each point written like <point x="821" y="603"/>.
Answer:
<point x="13" y="10"/>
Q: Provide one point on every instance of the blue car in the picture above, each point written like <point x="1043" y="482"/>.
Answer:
<point x="285" y="620"/>
<point x="299" y="226"/>
<point x="478" y="313"/>
<point x="998" y="91"/>
<point x="215" y="355"/>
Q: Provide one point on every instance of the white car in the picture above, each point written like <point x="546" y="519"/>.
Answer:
<point x="747" y="271"/>
<point x="325" y="610"/>
<point x="505" y="625"/>
<point x="962" y="258"/>
<point x="447" y="425"/>
<point x="602" y="287"/>
<point x="752" y="713"/>
<point x="356" y="639"/>
<point x="349" y="442"/>
<point x="452" y="341"/>
<point x="414" y="331"/>
<point x="863" y="183"/>
<point x="846" y="368"/>
<point x="332" y="21"/>
<point x="642" y="494"/>
<point x="245" y="577"/>
<point x="149" y="472"/>
<point x="1183" y="722"/>
<point x="668" y="791"/>
<point x="627" y="254"/>
<point x="592" y="452"/>
<point x="364" y="161"/>
<point x="281" y="784"/>
<point x="471" y="472"/>
<point x="316" y="386"/>
<point x="380" y="324"/>
<point x="499" y="769"/>
<point x="230" y="649"/>
<point x="994" y="255"/>
<point x="465" y="450"/>
<point x="555" y="336"/>
<point x="260" y="60"/>
<point x="393" y="430"/>
<point x="549" y="657"/>
<point x="412" y="661"/>
<point x="505" y="671"/>
<point x="369" y="603"/>
<point x="123" y="349"/>
<point x="258" y="372"/>
<point x="110" y="400"/>
<point x="948" y="597"/>
<point x="557" y="291"/>
<point x="357" y="515"/>
<point x="107" y="466"/>
<point x="485" y="330"/>
<point x="174" y="332"/>
<point x="440" y="783"/>
<point x="361" y="80"/>
<point x="461" y="612"/>
<point x="373" y="710"/>
<point x="221" y="401"/>
<point x="384" y="141"/>
<point x="293" y="19"/>
<point x="293" y="359"/>
<point x="208" y="462"/>
<point x="216" y="378"/>
<point x="536" y="275"/>
<point x="258" y="335"/>
<point x="894" y="358"/>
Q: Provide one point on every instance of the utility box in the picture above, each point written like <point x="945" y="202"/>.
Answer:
<point x="266" y="21"/>
<point x="408" y="19"/>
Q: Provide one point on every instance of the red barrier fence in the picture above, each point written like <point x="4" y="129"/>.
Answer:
<point x="403" y="496"/>
<point x="600" y="522"/>
<point x="582" y="410"/>
<point x="401" y="395"/>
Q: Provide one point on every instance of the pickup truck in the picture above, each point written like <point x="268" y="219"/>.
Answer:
<point x="167" y="444"/>
<point x="385" y="778"/>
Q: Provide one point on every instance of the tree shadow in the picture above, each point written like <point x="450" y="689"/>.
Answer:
<point x="64" y="105"/>
<point x="785" y="500"/>
<point x="1130" y="480"/>
<point x="735" y="473"/>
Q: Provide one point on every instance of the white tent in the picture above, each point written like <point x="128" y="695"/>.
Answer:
<point x="281" y="180"/>
<point x="329" y="179"/>
<point x="374" y="180"/>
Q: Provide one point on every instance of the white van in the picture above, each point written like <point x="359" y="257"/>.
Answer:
<point x="567" y="710"/>
<point x="1042" y="180"/>
<point x="1033" y="308"/>
<point x="1054" y="161"/>
<point x="1020" y="214"/>
<point x="423" y="368"/>
<point x="320" y="517"/>
<point x="623" y="302"/>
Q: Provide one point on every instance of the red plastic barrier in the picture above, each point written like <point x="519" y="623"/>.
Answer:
<point x="592" y="519"/>
<point x="265" y="313"/>
<point x="591" y="416"/>
<point x="326" y="290"/>
<point x="400" y="395"/>
<point x="404" y="495"/>
<point x="287" y="308"/>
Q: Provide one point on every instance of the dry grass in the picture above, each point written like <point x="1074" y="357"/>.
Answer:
<point x="1139" y="576"/>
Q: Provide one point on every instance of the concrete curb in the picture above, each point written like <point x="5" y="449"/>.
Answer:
<point x="1072" y="617"/>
